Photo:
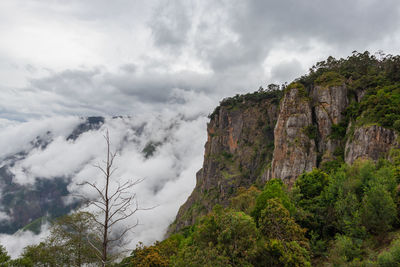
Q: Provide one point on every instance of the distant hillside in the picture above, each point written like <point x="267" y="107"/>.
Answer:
<point x="26" y="203"/>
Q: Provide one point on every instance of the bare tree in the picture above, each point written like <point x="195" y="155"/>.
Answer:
<point x="115" y="203"/>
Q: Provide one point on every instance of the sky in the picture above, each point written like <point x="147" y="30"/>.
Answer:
<point x="166" y="64"/>
<point x="98" y="57"/>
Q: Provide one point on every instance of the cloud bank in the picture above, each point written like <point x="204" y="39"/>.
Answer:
<point x="179" y="135"/>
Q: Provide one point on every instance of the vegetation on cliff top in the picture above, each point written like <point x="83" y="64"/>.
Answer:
<point x="273" y="92"/>
<point x="373" y="78"/>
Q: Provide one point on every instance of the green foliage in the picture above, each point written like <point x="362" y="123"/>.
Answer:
<point x="345" y="250"/>
<point x="4" y="257"/>
<point x="151" y="256"/>
<point x="311" y="184"/>
<point x="332" y="165"/>
<point x="245" y="200"/>
<point x="274" y="188"/>
<point x="338" y="131"/>
<point x="227" y="156"/>
<point x="295" y="85"/>
<point x="67" y="245"/>
<point x="382" y="105"/>
<point x="276" y="223"/>
<point x="273" y="93"/>
<point x="42" y="255"/>
<point x="231" y="235"/>
<point x="285" y="243"/>
<point x="378" y="210"/>
<point x="276" y="253"/>
<point x="391" y="257"/>
<point x="311" y="131"/>
<point x="192" y="256"/>
<point x="330" y="78"/>
<point x="359" y="194"/>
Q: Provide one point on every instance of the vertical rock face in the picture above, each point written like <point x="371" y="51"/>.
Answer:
<point x="238" y="149"/>
<point x="250" y="142"/>
<point x="329" y="106"/>
<point x="372" y="142"/>
<point x="295" y="151"/>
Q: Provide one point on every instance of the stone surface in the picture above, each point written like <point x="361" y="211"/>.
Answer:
<point x="255" y="141"/>
<point x="294" y="151"/>
<point x="238" y="149"/>
<point x="370" y="142"/>
<point x="329" y="104"/>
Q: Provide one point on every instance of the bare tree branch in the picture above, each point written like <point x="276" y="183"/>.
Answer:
<point x="114" y="205"/>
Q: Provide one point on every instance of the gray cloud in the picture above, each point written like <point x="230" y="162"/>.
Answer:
<point x="170" y="24"/>
<point x="217" y="47"/>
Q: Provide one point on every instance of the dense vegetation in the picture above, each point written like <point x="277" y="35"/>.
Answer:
<point x="337" y="219"/>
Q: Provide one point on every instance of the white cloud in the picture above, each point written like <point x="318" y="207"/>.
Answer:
<point x="169" y="175"/>
<point x="15" y="243"/>
<point x="4" y="216"/>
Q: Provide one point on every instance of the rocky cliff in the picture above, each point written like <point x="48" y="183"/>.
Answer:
<point x="295" y="148"/>
<point x="340" y="112"/>
<point x="238" y="150"/>
<point x="370" y="142"/>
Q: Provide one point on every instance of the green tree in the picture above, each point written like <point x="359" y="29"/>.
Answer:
<point x="378" y="209"/>
<point x="245" y="200"/>
<point x="229" y="237"/>
<point x="311" y="184"/>
<point x="285" y="243"/>
<point x="391" y="257"/>
<point x="67" y="245"/>
<point x="276" y="223"/>
<point x="72" y="237"/>
<point x="274" y="188"/>
<point x="4" y="257"/>
<point x="345" y="250"/>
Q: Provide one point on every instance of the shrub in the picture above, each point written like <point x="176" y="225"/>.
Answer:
<point x="311" y="131"/>
<point x="345" y="250"/>
<point x="311" y="184"/>
<point x="391" y="257"/>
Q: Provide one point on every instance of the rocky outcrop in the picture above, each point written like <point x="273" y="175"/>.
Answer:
<point x="238" y="150"/>
<point x="370" y="142"/>
<point x="329" y="103"/>
<point x="250" y="142"/>
<point x="295" y="150"/>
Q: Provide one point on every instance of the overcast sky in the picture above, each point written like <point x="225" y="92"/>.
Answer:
<point x="129" y="57"/>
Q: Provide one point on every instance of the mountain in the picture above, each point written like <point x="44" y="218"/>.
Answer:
<point x="342" y="111"/>
<point x="302" y="174"/>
